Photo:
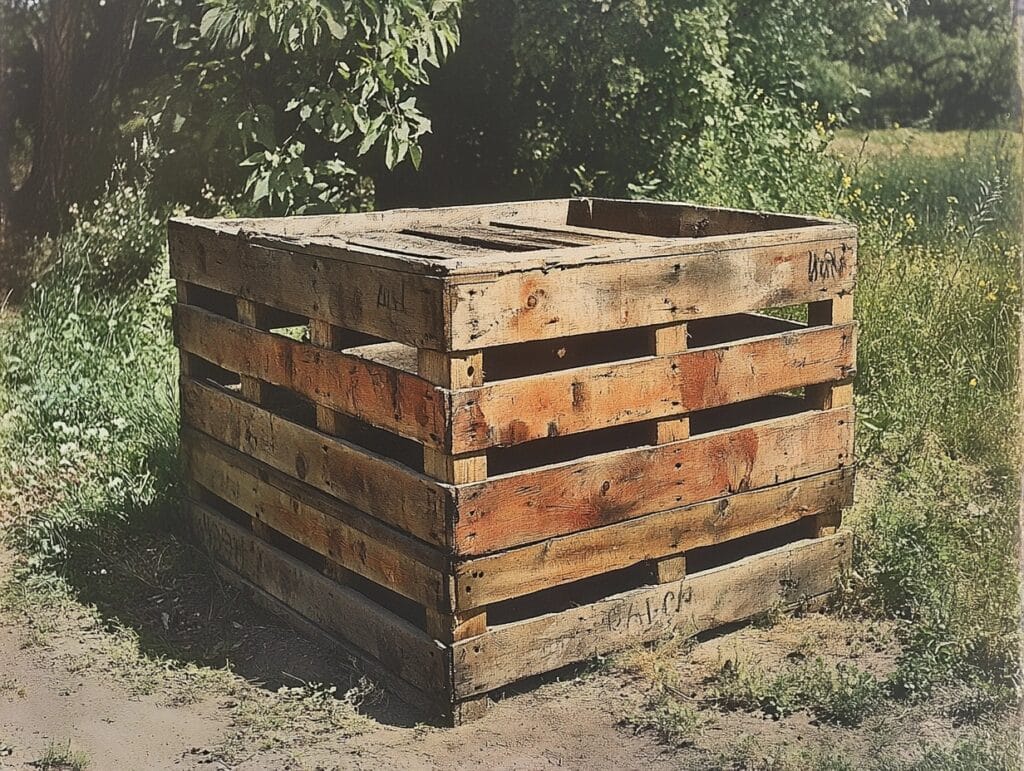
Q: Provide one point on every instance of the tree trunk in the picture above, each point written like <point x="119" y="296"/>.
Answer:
<point x="43" y="199"/>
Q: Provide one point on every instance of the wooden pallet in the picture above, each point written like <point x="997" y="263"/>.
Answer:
<point x="481" y="443"/>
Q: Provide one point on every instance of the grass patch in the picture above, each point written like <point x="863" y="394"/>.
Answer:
<point x="842" y="694"/>
<point x="60" y="757"/>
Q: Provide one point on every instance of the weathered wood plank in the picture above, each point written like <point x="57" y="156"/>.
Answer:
<point x="381" y="396"/>
<point x="392" y="304"/>
<point x="535" y="504"/>
<point x="701" y="601"/>
<point x="531" y="305"/>
<point x="840" y="393"/>
<point x="403" y="649"/>
<point x="388" y="490"/>
<point x="665" y="218"/>
<point x="599" y="396"/>
<point x="556" y="561"/>
<point x="343" y="535"/>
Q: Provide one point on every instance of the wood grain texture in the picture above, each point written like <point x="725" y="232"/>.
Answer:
<point x="556" y="561"/>
<point x="591" y="297"/>
<point x="379" y="395"/>
<point x="402" y="648"/>
<point x="528" y="506"/>
<point x="391" y="492"/>
<point x="341" y="534"/>
<point x="392" y="304"/>
<point x="587" y="398"/>
<point x="702" y="601"/>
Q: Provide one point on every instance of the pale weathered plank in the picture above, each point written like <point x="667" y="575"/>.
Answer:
<point x="752" y="275"/>
<point x="671" y="218"/>
<point x="405" y="650"/>
<point x="538" y="566"/>
<point x="379" y="395"/>
<point x="527" y="506"/>
<point x="341" y="534"/>
<point x="388" y="490"/>
<point x="701" y="601"/>
<point x="392" y="304"/>
<point x="586" y="398"/>
<point x="617" y="245"/>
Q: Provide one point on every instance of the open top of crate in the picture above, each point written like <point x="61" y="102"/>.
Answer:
<point x="471" y="277"/>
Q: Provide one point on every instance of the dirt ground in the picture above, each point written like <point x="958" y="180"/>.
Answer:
<point x="129" y="679"/>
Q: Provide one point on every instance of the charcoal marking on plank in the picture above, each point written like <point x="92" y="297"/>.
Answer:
<point x="388" y="298"/>
<point x="628" y="615"/>
<point x="827" y="265"/>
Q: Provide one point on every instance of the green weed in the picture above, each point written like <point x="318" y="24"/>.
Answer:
<point x="673" y="721"/>
<point x="842" y="694"/>
<point x="60" y="757"/>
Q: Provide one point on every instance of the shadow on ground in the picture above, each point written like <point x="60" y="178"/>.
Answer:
<point x="154" y="582"/>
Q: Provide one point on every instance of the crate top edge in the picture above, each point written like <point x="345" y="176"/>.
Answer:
<point x="519" y="236"/>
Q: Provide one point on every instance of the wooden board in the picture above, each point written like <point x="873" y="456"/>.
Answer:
<point x="379" y="395"/>
<point x="539" y="566"/>
<point x="403" y="649"/>
<point x="343" y="535"/>
<point x="528" y="506"/>
<point x="518" y="305"/>
<point x="670" y="218"/>
<point x="392" y="304"/>
<point x="702" y="601"/>
<point x="588" y="398"/>
<point x="389" y="491"/>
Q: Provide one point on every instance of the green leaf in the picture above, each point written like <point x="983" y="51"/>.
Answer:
<point x="336" y="29"/>
<point x="209" y="21"/>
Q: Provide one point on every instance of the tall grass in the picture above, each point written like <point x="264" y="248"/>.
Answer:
<point x="938" y="306"/>
<point x="87" y="383"/>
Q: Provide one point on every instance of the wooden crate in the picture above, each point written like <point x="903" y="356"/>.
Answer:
<point x="480" y="443"/>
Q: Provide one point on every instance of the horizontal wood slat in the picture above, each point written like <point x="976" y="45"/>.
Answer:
<point x="536" y="305"/>
<point x="527" y="569"/>
<point x="344" y="536"/>
<point x="389" y="491"/>
<point x="557" y="403"/>
<point x="532" y="505"/>
<point x="699" y="602"/>
<point x="379" y="395"/>
<point x="401" y="647"/>
<point x="392" y="304"/>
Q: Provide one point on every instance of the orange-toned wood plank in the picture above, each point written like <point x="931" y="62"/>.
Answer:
<point x="379" y="395"/>
<point x="532" y="505"/>
<point x="598" y="396"/>
<point x="525" y="569"/>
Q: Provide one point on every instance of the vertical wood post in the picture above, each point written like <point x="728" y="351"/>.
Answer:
<point x="453" y="370"/>
<point x="825" y="396"/>
<point x="667" y="340"/>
